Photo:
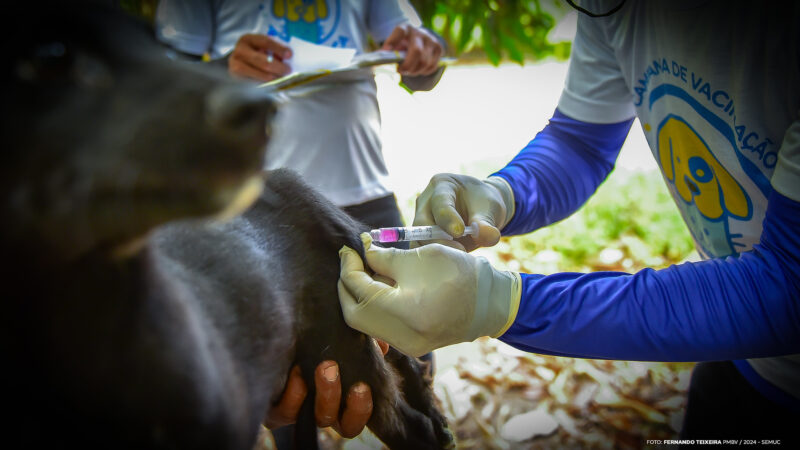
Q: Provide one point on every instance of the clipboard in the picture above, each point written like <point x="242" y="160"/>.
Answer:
<point x="357" y="69"/>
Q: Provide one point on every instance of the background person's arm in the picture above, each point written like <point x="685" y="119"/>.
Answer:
<point x="420" y="70"/>
<point x="396" y="26"/>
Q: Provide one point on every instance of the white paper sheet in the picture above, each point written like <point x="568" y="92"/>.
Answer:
<point x="307" y="56"/>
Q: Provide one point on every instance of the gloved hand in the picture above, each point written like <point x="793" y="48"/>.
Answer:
<point x="436" y="296"/>
<point x="451" y="201"/>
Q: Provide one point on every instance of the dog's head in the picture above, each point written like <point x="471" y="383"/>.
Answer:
<point x="697" y="175"/>
<point x="105" y="137"/>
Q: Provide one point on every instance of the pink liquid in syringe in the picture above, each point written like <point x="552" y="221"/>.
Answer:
<point x="389" y="235"/>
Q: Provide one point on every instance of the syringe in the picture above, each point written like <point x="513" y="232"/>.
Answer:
<point x="423" y="233"/>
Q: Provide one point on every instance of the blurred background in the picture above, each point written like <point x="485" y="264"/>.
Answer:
<point x="512" y="62"/>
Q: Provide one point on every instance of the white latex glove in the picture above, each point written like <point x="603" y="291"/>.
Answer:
<point x="451" y="201"/>
<point x="440" y="296"/>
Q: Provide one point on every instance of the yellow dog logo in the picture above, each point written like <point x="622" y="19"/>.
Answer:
<point x="697" y="175"/>
<point x="294" y="10"/>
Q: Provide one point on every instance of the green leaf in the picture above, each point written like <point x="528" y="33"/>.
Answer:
<point x="515" y="28"/>
<point x="489" y="44"/>
<point x="511" y="48"/>
<point x="468" y="22"/>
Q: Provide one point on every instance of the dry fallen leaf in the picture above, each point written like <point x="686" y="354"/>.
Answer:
<point x="528" y="425"/>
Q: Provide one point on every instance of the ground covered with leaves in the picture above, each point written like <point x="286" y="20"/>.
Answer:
<point x="507" y="399"/>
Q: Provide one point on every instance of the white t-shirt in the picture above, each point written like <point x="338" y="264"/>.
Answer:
<point x="716" y="87"/>
<point x="329" y="134"/>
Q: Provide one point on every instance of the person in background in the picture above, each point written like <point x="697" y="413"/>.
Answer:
<point x="329" y="133"/>
<point x="716" y="87"/>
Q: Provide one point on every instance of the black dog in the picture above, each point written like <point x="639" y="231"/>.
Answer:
<point x="130" y="320"/>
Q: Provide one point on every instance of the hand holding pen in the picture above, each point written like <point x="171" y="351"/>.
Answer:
<point x="259" y="57"/>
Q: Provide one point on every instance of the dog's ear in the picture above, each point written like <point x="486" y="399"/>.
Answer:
<point x="665" y="155"/>
<point x="734" y="199"/>
<point x="675" y="141"/>
<point x="697" y="174"/>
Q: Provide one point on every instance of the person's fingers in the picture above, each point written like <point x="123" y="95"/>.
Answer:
<point x="349" y="304"/>
<point x="285" y="412"/>
<point x="329" y="393"/>
<point x="435" y="54"/>
<point x="267" y="45"/>
<point x="423" y="52"/>
<point x="351" y="269"/>
<point x="355" y="285"/>
<point x="383" y="279"/>
<point x="386" y="262"/>
<point x="352" y="273"/>
<point x="366" y="240"/>
<point x="422" y="208"/>
<point x="465" y="243"/>
<point x="358" y="409"/>
<point x="252" y="58"/>
<point x="350" y="261"/>
<point x="274" y="67"/>
<point x="240" y="69"/>
<point x="488" y="212"/>
<point x="443" y="207"/>
<point x="383" y="257"/>
<point x="382" y="345"/>
<point x="254" y="65"/>
<point x="414" y="56"/>
<point x="261" y="60"/>
<point x="457" y="244"/>
<point x="434" y="51"/>
<point x="429" y="58"/>
<point x="395" y="38"/>
<point x="488" y="233"/>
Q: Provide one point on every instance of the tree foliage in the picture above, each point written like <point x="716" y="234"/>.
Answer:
<point x="145" y="9"/>
<point x="496" y="30"/>
<point x="501" y="29"/>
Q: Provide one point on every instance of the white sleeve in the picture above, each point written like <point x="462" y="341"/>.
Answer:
<point x="595" y="90"/>
<point x="185" y="25"/>
<point x="385" y="15"/>
<point x="786" y="178"/>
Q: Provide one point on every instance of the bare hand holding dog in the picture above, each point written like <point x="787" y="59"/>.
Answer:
<point x="358" y="403"/>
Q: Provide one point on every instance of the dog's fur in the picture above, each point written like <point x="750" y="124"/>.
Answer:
<point x="130" y="320"/>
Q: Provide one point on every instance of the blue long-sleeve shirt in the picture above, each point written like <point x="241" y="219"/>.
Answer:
<point x="741" y="306"/>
